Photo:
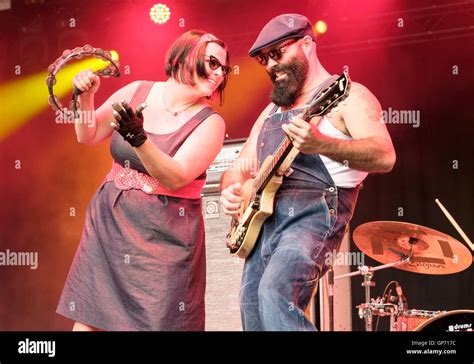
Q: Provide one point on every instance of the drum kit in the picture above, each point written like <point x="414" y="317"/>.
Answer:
<point x="412" y="248"/>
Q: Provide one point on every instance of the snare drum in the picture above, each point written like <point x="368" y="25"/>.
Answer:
<point x="409" y="320"/>
<point x="453" y="321"/>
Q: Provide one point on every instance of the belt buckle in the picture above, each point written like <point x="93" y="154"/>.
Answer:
<point x="120" y="179"/>
<point x="147" y="188"/>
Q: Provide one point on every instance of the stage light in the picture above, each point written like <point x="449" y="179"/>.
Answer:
<point x="320" y="27"/>
<point x="160" y="13"/>
<point x="24" y="98"/>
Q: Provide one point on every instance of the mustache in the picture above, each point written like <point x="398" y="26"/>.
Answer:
<point x="275" y="69"/>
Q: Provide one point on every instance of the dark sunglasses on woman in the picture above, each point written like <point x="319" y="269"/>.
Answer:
<point x="214" y="64"/>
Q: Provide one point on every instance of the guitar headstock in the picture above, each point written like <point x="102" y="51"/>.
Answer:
<point x="329" y="98"/>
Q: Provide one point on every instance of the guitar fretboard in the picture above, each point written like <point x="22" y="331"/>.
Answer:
<point x="263" y="177"/>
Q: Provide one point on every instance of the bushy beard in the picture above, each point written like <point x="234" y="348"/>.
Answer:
<point x="287" y="90"/>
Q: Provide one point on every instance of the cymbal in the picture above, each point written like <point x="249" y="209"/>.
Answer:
<point x="432" y="251"/>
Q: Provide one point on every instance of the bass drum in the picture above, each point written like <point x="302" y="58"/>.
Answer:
<point x="451" y="321"/>
<point x="410" y="319"/>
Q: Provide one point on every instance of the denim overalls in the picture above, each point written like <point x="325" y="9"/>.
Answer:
<point x="291" y="254"/>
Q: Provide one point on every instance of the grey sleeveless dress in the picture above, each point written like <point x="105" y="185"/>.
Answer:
<point x="140" y="264"/>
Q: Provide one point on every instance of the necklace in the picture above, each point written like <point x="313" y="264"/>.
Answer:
<point x="176" y="113"/>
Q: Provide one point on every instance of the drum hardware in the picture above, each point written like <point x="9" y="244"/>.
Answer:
<point x="331" y="297"/>
<point x="387" y="298"/>
<point x="366" y="309"/>
<point x="418" y="249"/>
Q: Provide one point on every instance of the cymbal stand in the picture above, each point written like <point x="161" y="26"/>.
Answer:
<point x="368" y="273"/>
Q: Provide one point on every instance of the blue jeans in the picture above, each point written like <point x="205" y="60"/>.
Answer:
<point x="291" y="254"/>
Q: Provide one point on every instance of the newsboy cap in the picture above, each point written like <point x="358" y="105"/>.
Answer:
<point x="280" y="28"/>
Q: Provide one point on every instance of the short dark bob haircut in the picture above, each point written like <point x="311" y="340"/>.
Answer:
<point x="186" y="57"/>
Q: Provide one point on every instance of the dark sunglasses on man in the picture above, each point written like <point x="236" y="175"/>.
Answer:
<point x="214" y="64"/>
<point x="275" y="53"/>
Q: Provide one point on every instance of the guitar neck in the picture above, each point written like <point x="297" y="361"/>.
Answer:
<point x="265" y="174"/>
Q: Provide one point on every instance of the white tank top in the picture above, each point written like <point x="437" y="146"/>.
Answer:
<point x="342" y="175"/>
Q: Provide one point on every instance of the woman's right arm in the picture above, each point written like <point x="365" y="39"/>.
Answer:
<point x="94" y="126"/>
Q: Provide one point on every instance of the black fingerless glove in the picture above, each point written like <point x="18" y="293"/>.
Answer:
<point x="130" y="123"/>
